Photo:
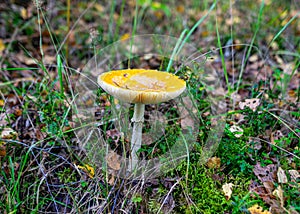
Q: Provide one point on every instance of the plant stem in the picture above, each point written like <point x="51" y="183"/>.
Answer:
<point x="136" y="139"/>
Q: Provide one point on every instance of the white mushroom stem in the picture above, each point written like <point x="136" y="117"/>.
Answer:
<point x="136" y="138"/>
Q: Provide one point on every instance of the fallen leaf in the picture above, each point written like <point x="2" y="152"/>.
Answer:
<point x="236" y="131"/>
<point x="277" y="135"/>
<point x="251" y="103"/>
<point x="111" y="181"/>
<point x="269" y="186"/>
<point x="2" y="149"/>
<point x="256" y="209"/>
<point x="267" y="173"/>
<point x="253" y="58"/>
<point x="278" y="192"/>
<point x="99" y="7"/>
<point x="227" y="189"/>
<point x="8" y="133"/>
<point x="88" y="169"/>
<point x="294" y="175"/>
<point x="23" y="13"/>
<point x="180" y="8"/>
<point x="266" y="196"/>
<point x="115" y="135"/>
<point x="281" y="176"/>
<point x="125" y="36"/>
<point x="214" y="163"/>
<point x="2" y="47"/>
<point x="113" y="160"/>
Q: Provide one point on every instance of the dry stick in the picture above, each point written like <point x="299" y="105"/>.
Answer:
<point x="174" y="185"/>
<point x="68" y="27"/>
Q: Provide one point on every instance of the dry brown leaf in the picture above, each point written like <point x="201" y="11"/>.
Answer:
<point x="267" y="173"/>
<point x="269" y="186"/>
<point x="278" y="192"/>
<point x="281" y="176"/>
<point x="266" y="196"/>
<point x="180" y="8"/>
<point x="294" y="175"/>
<point x="256" y="209"/>
<point x="227" y="189"/>
<point x="113" y="160"/>
<point x="214" y="163"/>
<point x="3" y="119"/>
<point x="115" y="135"/>
<point x="277" y="135"/>
<point x="111" y="181"/>
<point x="24" y="59"/>
<point x="251" y="103"/>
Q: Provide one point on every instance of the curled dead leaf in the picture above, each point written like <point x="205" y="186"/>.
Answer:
<point x="251" y="103"/>
<point x="278" y="192"/>
<point x="294" y="175"/>
<point x="281" y="176"/>
<point x="227" y="189"/>
<point x="256" y="209"/>
<point x="214" y="163"/>
<point x="8" y="133"/>
<point x="113" y="160"/>
<point x="267" y="173"/>
<point x="88" y="169"/>
<point x="277" y="135"/>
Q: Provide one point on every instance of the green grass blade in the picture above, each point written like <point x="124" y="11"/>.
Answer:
<point x="60" y="71"/>
<point x="284" y="27"/>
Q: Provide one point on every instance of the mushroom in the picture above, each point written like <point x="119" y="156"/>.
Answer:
<point x="140" y="86"/>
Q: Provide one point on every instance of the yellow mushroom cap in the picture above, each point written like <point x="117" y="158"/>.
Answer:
<point x="141" y="85"/>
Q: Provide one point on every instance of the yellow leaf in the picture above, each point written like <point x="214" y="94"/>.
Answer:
<point x="88" y="169"/>
<point x="256" y="209"/>
<point x="99" y="7"/>
<point x="2" y="46"/>
<point x="180" y="8"/>
<point x="125" y="36"/>
<point x="24" y="13"/>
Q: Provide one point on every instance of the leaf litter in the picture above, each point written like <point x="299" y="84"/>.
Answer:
<point x="29" y="131"/>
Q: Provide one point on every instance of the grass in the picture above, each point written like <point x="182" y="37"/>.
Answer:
<point x="252" y="54"/>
